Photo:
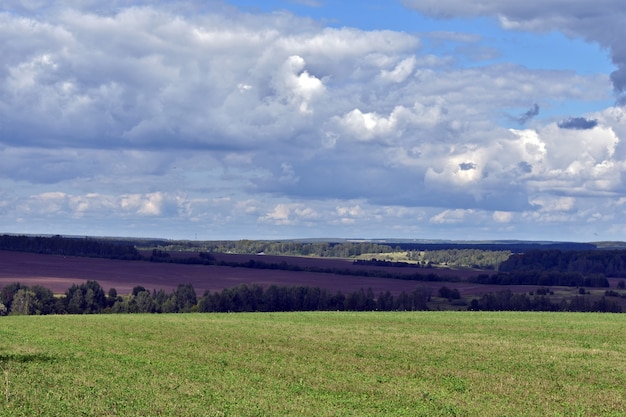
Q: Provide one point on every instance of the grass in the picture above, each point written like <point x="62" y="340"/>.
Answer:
<point x="314" y="364"/>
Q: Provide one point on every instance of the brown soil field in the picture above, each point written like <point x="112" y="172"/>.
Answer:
<point x="58" y="273"/>
<point x="339" y="263"/>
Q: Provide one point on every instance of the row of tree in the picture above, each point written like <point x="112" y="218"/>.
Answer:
<point x="346" y="249"/>
<point x="605" y="262"/>
<point x="59" y="245"/>
<point x="299" y="298"/>
<point x="510" y="301"/>
<point x="90" y="298"/>
<point x="283" y="248"/>
<point x="462" y="258"/>
<point x="457" y="258"/>
<point x="543" y="278"/>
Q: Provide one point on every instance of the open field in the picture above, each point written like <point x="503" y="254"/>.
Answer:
<point x="314" y="364"/>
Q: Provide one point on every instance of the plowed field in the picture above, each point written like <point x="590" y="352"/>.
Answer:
<point x="59" y="272"/>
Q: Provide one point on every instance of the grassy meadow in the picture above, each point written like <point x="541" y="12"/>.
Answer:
<point x="314" y="364"/>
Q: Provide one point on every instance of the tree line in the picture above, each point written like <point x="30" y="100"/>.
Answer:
<point x="507" y="300"/>
<point x="59" y="245"/>
<point x="588" y="262"/>
<point x="462" y="258"/>
<point x="90" y="298"/>
<point x="542" y="278"/>
<point x="455" y="257"/>
<point x="280" y="248"/>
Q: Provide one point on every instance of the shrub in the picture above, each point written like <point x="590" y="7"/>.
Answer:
<point x="446" y="292"/>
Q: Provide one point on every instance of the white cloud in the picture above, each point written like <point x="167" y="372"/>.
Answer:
<point x="502" y="216"/>
<point x="288" y="214"/>
<point x="551" y="204"/>
<point x="353" y="211"/>
<point x="296" y="85"/>
<point x="249" y="121"/>
<point x="451" y="216"/>
<point x="401" y="71"/>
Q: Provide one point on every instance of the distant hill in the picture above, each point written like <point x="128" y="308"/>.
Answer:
<point x="514" y="246"/>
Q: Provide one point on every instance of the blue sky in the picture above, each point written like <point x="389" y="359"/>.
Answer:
<point x="429" y="119"/>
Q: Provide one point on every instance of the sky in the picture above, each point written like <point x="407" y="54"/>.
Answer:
<point x="408" y="119"/>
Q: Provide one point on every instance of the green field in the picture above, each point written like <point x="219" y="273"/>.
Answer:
<point x="314" y="364"/>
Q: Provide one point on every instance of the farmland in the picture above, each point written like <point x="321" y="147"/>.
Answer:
<point x="322" y="364"/>
<point x="58" y="273"/>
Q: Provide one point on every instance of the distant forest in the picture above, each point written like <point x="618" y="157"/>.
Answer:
<point x="58" y="245"/>
<point x="346" y="249"/>
<point x="604" y="262"/>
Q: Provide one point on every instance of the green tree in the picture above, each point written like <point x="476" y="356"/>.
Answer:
<point x="120" y="306"/>
<point x="205" y="303"/>
<point x="185" y="298"/>
<point x="145" y="303"/>
<point x="137" y="289"/>
<point x="111" y="297"/>
<point x="24" y="303"/>
<point x="169" y="305"/>
<point x="451" y="294"/>
<point x="45" y="300"/>
<point x="8" y="292"/>
<point x="96" y="302"/>
<point x="76" y="303"/>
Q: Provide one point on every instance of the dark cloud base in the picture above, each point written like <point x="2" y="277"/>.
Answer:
<point x="578" y="123"/>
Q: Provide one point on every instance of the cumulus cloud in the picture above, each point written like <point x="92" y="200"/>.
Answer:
<point x="59" y="203"/>
<point x="502" y="216"/>
<point x="401" y="71"/>
<point x="187" y="113"/>
<point x="288" y="214"/>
